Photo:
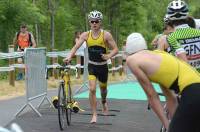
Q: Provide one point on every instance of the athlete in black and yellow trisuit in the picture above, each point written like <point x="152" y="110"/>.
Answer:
<point x="172" y="74"/>
<point x="98" y="41"/>
<point x="97" y="66"/>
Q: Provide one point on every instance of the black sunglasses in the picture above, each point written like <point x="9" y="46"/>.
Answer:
<point x="94" y="21"/>
<point x="23" y="26"/>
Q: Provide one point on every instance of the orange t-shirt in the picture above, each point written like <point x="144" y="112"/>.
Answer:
<point x="23" y="40"/>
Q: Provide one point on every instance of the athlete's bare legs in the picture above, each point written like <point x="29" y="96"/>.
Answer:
<point x="93" y="102"/>
<point x="103" y="99"/>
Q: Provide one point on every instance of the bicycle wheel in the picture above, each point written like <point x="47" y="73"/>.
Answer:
<point x="61" y="106"/>
<point x="69" y="102"/>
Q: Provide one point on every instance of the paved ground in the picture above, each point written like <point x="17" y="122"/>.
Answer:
<point x="125" y="116"/>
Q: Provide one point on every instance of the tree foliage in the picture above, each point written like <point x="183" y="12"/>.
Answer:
<point x="12" y="14"/>
<point x="120" y="18"/>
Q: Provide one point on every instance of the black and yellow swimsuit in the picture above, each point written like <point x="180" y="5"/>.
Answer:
<point x="179" y="76"/>
<point x="97" y="67"/>
<point x="176" y="77"/>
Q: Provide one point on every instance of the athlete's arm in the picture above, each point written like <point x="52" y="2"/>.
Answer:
<point x="177" y="48"/>
<point x="162" y="43"/>
<point x="148" y="89"/>
<point x="15" y="40"/>
<point x="182" y="56"/>
<point x="171" y="100"/>
<point x="80" y="41"/>
<point x="155" y="41"/>
<point x="111" y="44"/>
<point x="33" y="41"/>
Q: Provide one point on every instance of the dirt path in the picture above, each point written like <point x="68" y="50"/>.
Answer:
<point x="7" y="91"/>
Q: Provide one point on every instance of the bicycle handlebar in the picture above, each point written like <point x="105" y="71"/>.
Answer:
<point x="60" y="67"/>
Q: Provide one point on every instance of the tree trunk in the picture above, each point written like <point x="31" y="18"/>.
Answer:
<point x="52" y="31"/>
<point x="85" y="13"/>
<point x="36" y="30"/>
<point x="51" y="10"/>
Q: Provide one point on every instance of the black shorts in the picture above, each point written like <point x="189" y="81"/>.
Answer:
<point x="187" y="115"/>
<point x="100" y="72"/>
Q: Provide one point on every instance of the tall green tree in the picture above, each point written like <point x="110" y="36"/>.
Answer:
<point x="12" y="14"/>
<point x="120" y="18"/>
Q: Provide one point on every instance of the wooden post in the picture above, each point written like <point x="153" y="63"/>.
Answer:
<point x="11" y="61"/>
<point x="78" y="62"/>
<point x="113" y="65"/>
<point x="120" y="64"/>
<point x="55" y="60"/>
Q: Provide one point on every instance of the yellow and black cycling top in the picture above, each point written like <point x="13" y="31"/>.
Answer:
<point x="96" y="47"/>
<point x="174" y="73"/>
<point x="186" y="39"/>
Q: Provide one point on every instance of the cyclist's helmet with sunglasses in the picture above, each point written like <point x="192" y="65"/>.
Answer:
<point x="95" y="15"/>
<point x="177" y="10"/>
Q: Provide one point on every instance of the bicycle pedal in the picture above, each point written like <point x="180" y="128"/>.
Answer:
<point x="55" y="102"/>
<point x="75" y="109"/>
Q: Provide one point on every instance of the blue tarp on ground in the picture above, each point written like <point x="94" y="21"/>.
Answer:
<point x="128" y="90"/>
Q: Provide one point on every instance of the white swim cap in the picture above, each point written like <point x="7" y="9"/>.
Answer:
<point x="135" y="42"/>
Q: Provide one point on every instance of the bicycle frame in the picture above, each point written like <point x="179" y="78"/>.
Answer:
<point x="64" y="101"/>
<point x="65" y="75"/>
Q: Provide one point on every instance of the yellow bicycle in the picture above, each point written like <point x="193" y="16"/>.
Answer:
<point x="65" y="102"/>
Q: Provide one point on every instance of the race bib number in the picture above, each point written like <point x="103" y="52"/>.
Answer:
<point x="192" y="48"/>
<point x="195" y="63"/>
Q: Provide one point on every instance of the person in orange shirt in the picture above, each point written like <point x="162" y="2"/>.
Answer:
<point x="23" y="39"/>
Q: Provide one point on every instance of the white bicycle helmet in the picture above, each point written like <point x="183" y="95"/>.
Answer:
<point x="177" y="10"/>
<point x="135" y="42"/>
<point x="95" y="15"/>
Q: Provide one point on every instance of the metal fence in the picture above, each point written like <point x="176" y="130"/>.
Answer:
<point x="35" y="72"/>
<point x="84" y="86"/>
<point x="35" y="77"/>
